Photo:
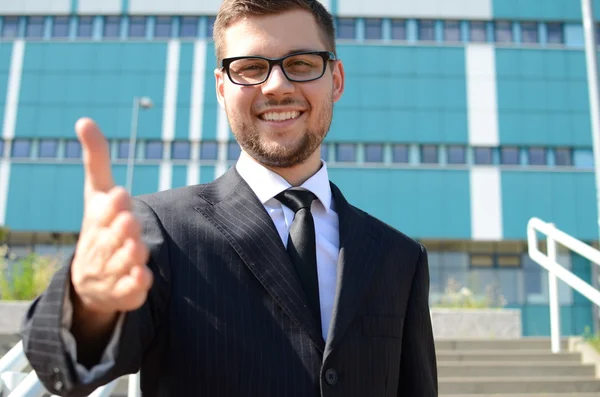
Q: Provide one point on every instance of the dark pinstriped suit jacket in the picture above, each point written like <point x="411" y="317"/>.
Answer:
<point x="226" y="316"/>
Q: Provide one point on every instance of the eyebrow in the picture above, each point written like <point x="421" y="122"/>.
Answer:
<point x="294" y="51"/>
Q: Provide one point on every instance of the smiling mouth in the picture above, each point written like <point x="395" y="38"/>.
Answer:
<point x="280" y="116"/>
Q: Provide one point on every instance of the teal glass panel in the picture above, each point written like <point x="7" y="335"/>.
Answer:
<point x="418" y="94"/>
<point x="420" y="203"/>
<point x="98" y="80"/>
<point x="566" y="199"/>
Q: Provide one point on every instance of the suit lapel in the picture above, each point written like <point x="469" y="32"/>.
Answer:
<point x="238" y="214"/>
<point x="361" y="241"/>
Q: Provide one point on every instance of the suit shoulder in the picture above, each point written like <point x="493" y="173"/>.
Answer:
<point x="394" y="235"/>
<point x="175" y="197"/>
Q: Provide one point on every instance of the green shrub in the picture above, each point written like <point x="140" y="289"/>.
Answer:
<point x="26" y="278"/>
<point x="458" y="297"/>
<point x="591" y="338"/>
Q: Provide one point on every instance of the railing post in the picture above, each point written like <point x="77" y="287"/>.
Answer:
<point x="553" y="297"/>
<point x="133" y="387"/>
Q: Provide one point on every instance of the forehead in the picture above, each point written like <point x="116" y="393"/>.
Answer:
<point x="273" y="35"/>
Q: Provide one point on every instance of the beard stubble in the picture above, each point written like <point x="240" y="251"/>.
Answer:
<point x="272" y="154"/>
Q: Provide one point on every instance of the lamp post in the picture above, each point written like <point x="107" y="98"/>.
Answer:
<point x="589" y="31"/>
<point x="144" y="103"/>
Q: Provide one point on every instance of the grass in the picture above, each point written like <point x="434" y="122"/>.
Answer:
<point x="27" y="278"/>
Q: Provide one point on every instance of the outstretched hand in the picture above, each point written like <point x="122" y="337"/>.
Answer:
<point x="108" y="272"/>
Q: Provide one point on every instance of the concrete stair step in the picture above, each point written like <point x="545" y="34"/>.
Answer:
<point x="498" y="385"/>
<point x="518" y="370"/>
<point x="501" y="344"/>
<point x="522" y="356"/>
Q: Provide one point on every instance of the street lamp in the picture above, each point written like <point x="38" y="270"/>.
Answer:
<point x="144" y="103"/>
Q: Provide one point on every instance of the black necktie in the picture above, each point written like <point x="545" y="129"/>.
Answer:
<point x="301" y="244"/>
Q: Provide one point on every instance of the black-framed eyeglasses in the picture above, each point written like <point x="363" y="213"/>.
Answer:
<point x="298" y="67"/>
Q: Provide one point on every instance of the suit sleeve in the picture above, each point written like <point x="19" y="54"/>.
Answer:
<point x="142" y="330"/>
<point x="418" y="367"/>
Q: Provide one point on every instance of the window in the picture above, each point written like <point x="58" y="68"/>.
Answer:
<point x="85" y="27"/>
<point x="35" y="27"/>
<point x="324" y="152"/>
<point x="508" y="260"/>
<point x="48" y="148"/>
<point x="563" y="157"/>
<point x="208" y="150"/>
<point x="429" y="154"/>
<point x="452" y="31"/>
<point x="188" y="27"/>
<point x="210" y="23"/>
<point x="112" y="27"/>
<point x="346" y="28"/>
<point x="162" y="27"/>
<point x="529" y="32"/>
<point x="345" y="152"/>
<point x="555" y="33"/>
<point x="21" y="148"/>
<point x="477" y="29"/>
<point x="10" y="27"/>
<point x="137" y="27"/>
<point x="583" y="158"/>
<point x="400" y="154"/>
<point x="483" y="155"/>
<point x="537" y="156"/>
<point x="153" y="150"/>
<point x="456" y="155"/>
<point x="504" y="32"/>
<point x="73" y="149"/>
<point x="60" y="27"/>
<point x="398" y="29"/>
<point x="373" y="29"/>
<point x="426" y="31"/>
<point x="123" y="150"/>
<point x="233" y="151"/>
<point x="180" y="150"/>
<point x="374" y="153"/>
<point x="509" y="156"/>
<point x="481" y="260"/>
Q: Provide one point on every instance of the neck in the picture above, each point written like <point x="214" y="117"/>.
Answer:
<point x="300" y="173"/>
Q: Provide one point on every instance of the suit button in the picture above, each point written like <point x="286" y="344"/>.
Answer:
<point x="58" y="386"/>
<point x="331" y="376"/>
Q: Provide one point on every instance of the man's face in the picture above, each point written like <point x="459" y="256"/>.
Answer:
<point x="279" y="123"/>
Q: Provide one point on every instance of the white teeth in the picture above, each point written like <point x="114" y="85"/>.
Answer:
<point x="280" y="116"/>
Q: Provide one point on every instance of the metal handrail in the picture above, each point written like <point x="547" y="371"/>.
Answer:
<point x="16" y="361"/>
<point x="556" y="271"/>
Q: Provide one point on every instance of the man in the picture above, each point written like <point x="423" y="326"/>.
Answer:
<point x="242" y="287"/>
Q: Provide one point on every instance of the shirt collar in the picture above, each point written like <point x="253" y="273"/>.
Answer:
<point x="266" y="184"/>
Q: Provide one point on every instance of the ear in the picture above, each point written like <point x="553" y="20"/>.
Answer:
<point x="338" y="80"/>
<point x="220" y="86"/>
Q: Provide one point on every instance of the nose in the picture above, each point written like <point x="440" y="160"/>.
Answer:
<point x="277" y="84"/>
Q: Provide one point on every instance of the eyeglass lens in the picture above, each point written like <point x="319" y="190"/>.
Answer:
<point x="302" y="67"/>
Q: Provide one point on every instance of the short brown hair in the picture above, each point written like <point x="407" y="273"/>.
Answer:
<point x="233" y="10"/>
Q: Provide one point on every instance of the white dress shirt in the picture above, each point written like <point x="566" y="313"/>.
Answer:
<point x="266" y="185"/>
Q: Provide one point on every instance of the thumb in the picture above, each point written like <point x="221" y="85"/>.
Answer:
<point x="96" y="156"/>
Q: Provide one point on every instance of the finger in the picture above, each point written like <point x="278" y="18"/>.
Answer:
<point x="124" y="227"/>
<point x="100" y="246"/>
<point x="132" y="289"/>
<point x="96" y="156"/>
<point x="143" y="275"/>
<point x="132" y="253"/>
<point x="101" y="210"/>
